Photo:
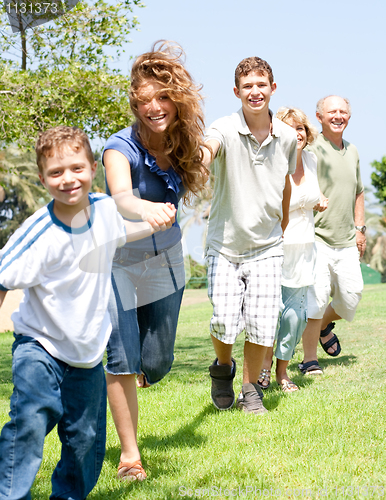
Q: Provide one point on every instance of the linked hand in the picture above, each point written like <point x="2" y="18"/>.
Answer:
<point x="322" y="205"/>
<point x="160" y="216"/>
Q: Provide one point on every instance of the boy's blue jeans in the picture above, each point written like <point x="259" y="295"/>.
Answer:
<point x="49" y="392"/>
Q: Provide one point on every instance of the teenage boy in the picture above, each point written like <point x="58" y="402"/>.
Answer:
<point x="254" y="154"/>
<point x="62" y="257"/>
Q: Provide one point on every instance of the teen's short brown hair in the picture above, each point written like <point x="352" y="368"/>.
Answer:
<point x="55" y="140"/>
<point x="250" y="65"/>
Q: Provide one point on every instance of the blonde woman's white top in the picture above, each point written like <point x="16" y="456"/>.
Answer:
<point x="299" y="236"/>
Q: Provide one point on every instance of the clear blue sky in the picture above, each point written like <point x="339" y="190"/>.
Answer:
<point x="315" y="48"/>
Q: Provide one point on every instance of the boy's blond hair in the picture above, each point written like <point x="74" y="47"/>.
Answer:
<point x="57" y="139"/>
<point x="253" y="65"/>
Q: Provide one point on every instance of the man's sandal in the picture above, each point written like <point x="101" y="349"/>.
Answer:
<point x="310" y="368"/>
<point x="131" y="471"/>
<point x="288" y="386"/>
<point x="264" y="380"/>
<point x="333" y="340"/>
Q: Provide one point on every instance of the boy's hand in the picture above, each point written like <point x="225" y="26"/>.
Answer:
<point x="160" y="216"/>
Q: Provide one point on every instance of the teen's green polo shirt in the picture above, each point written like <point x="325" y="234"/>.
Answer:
<point x="246" y="212"/>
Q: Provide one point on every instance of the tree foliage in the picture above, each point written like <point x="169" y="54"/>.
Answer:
<point x="376" y="242"/>
<point x="99" y="181"/>
<point x="83" y="35"/>
<point x="69" y="81"/>
<point x="198" y="273"/>
<point x="378" y="179"/>
<point x="33" y="101"/>
<point x="378" y="256"/>
<point x="21" y="191"/>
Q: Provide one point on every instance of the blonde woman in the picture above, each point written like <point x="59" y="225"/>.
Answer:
<point x="299" y="251"/>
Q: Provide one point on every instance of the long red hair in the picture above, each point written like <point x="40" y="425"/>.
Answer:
<point x="183" y="141"/>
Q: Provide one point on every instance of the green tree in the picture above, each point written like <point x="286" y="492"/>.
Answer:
<point x="197" y="273"/>
<point x="378" y="179"/>
<point x="82" y="35"/>
<point x="377" y="249"/>
<point x="70" y="83"/>
<point x="32" y="101"/>
<point x="378" y="256"/>
<point x="99" y="182"/>
<point x="21" y="191"/>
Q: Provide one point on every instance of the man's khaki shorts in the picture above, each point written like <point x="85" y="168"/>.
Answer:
<point x="338" y="274"/>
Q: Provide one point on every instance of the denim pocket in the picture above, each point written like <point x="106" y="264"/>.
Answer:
<point x="22" y="339"/>
<point x="173" y="257"/>
<point x="173" y="260"/>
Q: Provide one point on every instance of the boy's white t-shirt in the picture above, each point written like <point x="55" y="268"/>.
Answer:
<point x="66" y="274"/>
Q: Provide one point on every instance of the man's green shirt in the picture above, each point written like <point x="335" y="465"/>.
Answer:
<point x="340" y="181"/>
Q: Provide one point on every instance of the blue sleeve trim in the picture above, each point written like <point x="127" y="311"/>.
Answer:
<point x="3" y="289"/>
<point x="27" y="246"/>
<point x="24" y="235"/>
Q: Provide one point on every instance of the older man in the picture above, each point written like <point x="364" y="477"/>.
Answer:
<point x="340" y="234"/>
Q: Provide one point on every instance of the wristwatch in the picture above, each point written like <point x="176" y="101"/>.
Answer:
<point x="362" y="229"/>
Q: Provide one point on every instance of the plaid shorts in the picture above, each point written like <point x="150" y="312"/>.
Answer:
<point x="245" y="296"/>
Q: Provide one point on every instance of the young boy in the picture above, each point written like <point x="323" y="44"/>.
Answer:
<point x="254" y="153"/>
<point x="62" y="257"/>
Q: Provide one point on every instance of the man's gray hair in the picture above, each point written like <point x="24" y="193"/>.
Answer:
<point x="320" y="103"/>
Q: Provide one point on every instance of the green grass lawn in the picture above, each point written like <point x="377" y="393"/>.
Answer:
<point x="325" y="441"/>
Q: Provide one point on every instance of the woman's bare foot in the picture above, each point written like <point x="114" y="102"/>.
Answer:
<point x="264" y="380"/>
<point x="283" y="380"/>
<point x="286" y="384"/>
<point x="142" y="382"/>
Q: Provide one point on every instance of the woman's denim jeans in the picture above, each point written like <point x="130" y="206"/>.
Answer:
<point x="144" y="309"/>
<point x="49" y="392"/>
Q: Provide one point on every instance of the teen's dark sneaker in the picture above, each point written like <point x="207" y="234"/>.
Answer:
<point x="250" y="399"/>
<point x="222" y="392"/>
